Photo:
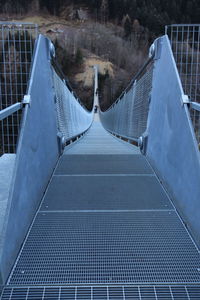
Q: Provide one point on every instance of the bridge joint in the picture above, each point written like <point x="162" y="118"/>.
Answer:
<point x="185" y="99"/>
<point x="26" y="100"/>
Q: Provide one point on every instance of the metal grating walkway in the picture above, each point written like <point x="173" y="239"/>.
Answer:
<point x="106" y="229"/>
<point x="98" y="141"/>
<point x="107" y="248"/>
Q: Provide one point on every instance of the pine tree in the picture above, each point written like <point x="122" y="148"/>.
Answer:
<point x="104" y="11"/>
<point x="127" y="26"/>
<point x="79" y="57"/>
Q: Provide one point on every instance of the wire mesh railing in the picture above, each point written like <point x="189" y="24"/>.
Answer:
<point x="16" y="52"/>
<point x="127" y="117"/>
<point x="72" y="118"/>
<point x="185" y="42"/>
<point x="62" y="76"/>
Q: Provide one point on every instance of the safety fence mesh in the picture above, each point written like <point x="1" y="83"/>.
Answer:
<point x="73" y="119"/>
<point x="185" y="42"/>
<point x="127" y="117"/>
<point x="16" y="52"/>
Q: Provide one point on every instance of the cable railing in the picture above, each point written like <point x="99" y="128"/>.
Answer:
<point x="16" y="51"/>
<point x="185" y="42"/>
<point x="73" y="118"/>
<point x="60" y="73"/>
<point x="127" y="116"/>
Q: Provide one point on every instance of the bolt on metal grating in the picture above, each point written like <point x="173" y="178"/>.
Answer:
<point x="162" y="292"/>
<point x="127" y="117"/>
<point x="185" y="42"/>
<point x="16" y="52"/>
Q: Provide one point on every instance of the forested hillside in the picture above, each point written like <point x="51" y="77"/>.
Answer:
<point x="153" y="14"/>
<point x="115" y="34"/>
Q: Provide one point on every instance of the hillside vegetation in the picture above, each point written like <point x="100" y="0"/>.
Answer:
<point x="115" y="34"/>
<point x="80" y="46"/>
<point x="153" y="14"/>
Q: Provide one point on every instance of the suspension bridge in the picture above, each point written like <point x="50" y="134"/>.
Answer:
<point x="100" y="204"/>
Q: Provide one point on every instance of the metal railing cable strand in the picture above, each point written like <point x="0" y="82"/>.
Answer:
<point x="73" y="119"/>
<point x="127" y="116"/>
<point x="59" y="71"/>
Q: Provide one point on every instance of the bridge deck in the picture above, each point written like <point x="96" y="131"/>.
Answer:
<point x="106" y="229"/>
<point x="99" y="141"/>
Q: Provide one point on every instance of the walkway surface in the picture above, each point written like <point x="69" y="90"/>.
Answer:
<point x="106" y="229"/>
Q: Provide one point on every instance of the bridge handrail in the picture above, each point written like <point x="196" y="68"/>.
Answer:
<point x="135" y="78"/>
<point x="8" y="111"/>
<point x="10" y="128"/>
<point x="73" y="119"/>
<point x="61" y="74"/>
<point x="127" y="116"/>
<point x="170" y="144"/>
<point x="195" y="105"/>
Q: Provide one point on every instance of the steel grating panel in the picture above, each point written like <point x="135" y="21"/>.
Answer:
<point x="98" y="141"/>
<point x="103" y="193"/>
<point x="103" y="164"/>
<point x="103" y="293"/>
<point x="107" y="248"/>
<point x="84" y="147"/>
